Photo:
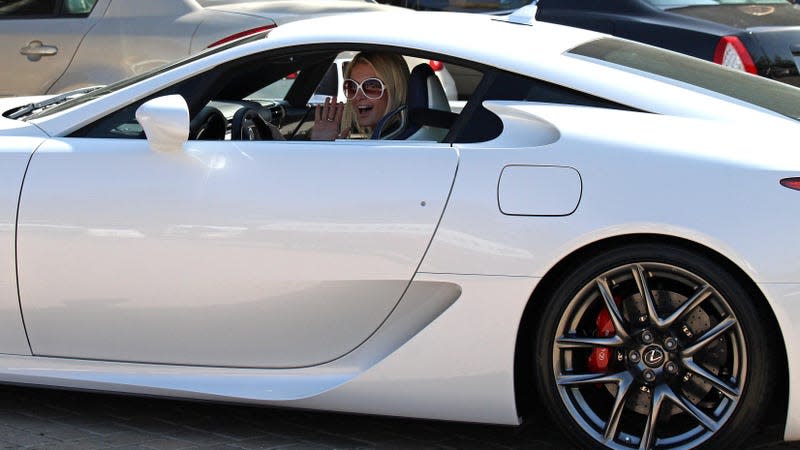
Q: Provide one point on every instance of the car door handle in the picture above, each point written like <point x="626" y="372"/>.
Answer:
<point x="35" y="50"/>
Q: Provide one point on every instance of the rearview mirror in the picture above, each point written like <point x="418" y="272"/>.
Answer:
<point x="165" y="121"/>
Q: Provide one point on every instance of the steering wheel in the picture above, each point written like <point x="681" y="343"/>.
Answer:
<point x="398" y="114"/>
<point x="248" y="125"/>
<point x="208" y="125"/>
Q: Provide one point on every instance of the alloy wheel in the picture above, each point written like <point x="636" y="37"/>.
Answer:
<point x="649" y="355"/>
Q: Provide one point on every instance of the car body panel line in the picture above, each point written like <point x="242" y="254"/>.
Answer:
<point x="77" y="49"/>
<point x="16" y="246"/>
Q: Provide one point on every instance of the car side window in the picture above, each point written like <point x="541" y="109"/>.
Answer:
<point x="478" y="124"/>
<point x="122" y="124"/>
<point x="14" y="9"/>
<point x="283" y="89"/>
<point x="77" y="7"/>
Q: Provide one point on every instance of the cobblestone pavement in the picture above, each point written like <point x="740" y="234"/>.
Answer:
<point x="50" y="419"/>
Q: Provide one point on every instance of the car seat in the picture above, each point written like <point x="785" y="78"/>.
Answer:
<point x="429" y="117"/>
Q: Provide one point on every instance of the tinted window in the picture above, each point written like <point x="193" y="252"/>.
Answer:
<point x="78" y="7"/>
<point x="778" y="97"/>
<point x="45" y="8"/>
<point x="23" y="8"/>
<point x="123" y="124"/>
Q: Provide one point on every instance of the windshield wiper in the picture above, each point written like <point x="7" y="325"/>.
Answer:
<point x="60" y="98"/>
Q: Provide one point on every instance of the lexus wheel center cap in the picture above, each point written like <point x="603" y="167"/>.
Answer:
<point x="653" y="356"/>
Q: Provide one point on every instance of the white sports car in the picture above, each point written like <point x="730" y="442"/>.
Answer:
<point x="599" y="228"/>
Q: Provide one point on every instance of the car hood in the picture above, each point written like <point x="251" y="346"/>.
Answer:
<point x="745" y="16"/>
<point x="7" y="103"/>
<point x="12" y="127"/>
<point x="283" y="11"/>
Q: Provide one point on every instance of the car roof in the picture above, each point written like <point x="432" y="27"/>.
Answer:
<point x="484" y="38"/>
<point x="285" y="11"/>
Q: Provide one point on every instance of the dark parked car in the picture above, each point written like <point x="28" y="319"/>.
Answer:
<point x="757" y="36"/>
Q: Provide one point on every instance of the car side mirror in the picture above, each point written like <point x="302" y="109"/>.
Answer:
<point x="165" y="121"/>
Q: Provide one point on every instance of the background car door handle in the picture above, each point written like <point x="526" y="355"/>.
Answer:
<point x="35" y="50"/>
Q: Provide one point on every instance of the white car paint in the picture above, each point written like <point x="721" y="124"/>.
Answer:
<point x="15" y="153"/>
<point x="436" y="276"/>
<point x="252" y="241"/>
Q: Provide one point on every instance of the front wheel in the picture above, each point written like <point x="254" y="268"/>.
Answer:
<point x="652" y="347"/>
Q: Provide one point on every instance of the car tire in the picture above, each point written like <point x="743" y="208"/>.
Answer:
<point x="692" y="370"/>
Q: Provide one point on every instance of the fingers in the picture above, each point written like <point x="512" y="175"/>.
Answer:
<point x="323" y="112"/>
<point x="326" y="109"/>
<point x="317" y="114"/>
<point x="329" y="111"/>
<point x="338" y="112"/>
<point x="327" y="118"/>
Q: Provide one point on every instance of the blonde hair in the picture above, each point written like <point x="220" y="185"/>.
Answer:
<point x="392" y="69"/>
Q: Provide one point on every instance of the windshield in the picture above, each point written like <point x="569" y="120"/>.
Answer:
<point x="667" y="4"/>
<point x="772" y="95"/>
<point x="96" y="93"/>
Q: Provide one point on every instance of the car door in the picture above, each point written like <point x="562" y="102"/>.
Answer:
<point x="246" y="254"/>
<point x="14" y="155"/>
<point x="38" y="40"/>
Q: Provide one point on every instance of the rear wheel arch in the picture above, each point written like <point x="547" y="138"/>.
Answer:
<point x="527" y="401"/>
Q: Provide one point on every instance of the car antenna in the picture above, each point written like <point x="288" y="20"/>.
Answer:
<point x="523" y="16"/>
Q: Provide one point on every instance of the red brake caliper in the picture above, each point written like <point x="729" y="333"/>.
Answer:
<point x="600" y="356"/>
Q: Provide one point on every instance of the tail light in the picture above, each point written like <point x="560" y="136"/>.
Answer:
<point x="731" y="53"/>
<point x="242" y="34"/>
<point x="791" y="183"/>
<point x="436" y="65"/>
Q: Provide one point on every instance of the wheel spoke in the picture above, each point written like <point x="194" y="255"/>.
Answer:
<point x="649" y="435"/>
<point x="708" y="337"/>
<point x="644" y="290"/>
<point x="568" y="342"/>
<point x="616" y="317"/>
<point x="732" y="393"/>
<point x="592" y="378"/>
<point x="623" y="389"/>
<point x="704" y="419"/>
<point x="699" y="297"/>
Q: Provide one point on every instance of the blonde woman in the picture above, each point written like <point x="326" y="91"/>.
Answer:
<point x="374" y="84"/>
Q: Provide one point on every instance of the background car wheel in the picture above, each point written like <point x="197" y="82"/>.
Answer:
<point x="652" y="346"/>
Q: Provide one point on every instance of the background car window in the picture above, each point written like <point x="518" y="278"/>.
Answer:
<point x="778" y="97"/>
<point x="25" y="8"/>
<point x="78" y="7"/>
<point x="478" y="124"/>
<point x="276" y="90"/>
<point x="45" y="8"/>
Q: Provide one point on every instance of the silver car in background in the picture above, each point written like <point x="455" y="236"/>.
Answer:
<point x="52" y="46"/>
